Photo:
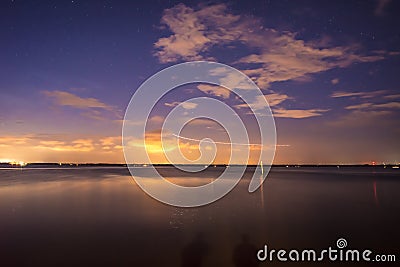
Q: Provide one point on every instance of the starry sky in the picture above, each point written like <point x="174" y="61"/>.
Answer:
<point x="329" y="70"/>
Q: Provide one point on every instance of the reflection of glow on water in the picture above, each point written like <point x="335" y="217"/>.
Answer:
<point x="181" y="181"/>
<point x="262" y="191"/>
<point x="375" y="194"/>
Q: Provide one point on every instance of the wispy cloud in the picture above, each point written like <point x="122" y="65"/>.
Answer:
<point x="366" y="113"/>
<point x="185" y="105"/>
<point x="360" y="106"/>
<point x="92" y="107"/>
<point x="63" y="98"/>
<point x="272" y="99"/>
<point x="298" y="113"/>
<point x="79" y="145"/>
<point x="278" y="56"/>
<point x="389" y="105"/>
<point x="395" y="96"/>
<point x="362" y="118"/>
<point x="111" y="143"/>
<point x="63" y="148"/>
<point x="288" y="58"/>
<point x="214" y="90"/>
<point x="12" y="140"/>
<point x="370" y="94"/>
<point x="275" y="100"/>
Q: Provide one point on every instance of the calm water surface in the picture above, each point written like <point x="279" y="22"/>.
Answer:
<point x="100" y="217"/>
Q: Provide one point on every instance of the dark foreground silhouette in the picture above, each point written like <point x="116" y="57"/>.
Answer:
<point x="244" y="254"/>
<point x="193" y="253"/>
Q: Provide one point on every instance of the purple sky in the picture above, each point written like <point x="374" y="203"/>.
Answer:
<point x="328" y="70"/>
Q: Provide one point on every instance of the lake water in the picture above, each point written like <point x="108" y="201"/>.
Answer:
<point x="100" y="217"/>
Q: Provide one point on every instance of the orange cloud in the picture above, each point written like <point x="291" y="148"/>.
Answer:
<point x="191" y="32"/>
<point x="214" y="90"/>
<point x="48" y="148"/>
<point x="389" y="105"/>
<point x="67" y="99"/>
<point x="298" y="113"/>
<point x="79" y="145"/>
<point x="11" y="140"/>
<point x="185" y="105"/>
<point x="288" y="58"/>
<point x="392" y="96"/>
<point x="274" y="100"/>
<point x="93" y="108"/>
<point x="358" y="94"/>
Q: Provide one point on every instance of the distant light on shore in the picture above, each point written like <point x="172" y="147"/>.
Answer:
<point x="6" y="160"/>
<point x="17" y="163"/>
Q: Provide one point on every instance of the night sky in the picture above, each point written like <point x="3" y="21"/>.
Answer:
<point x="329" y="69"/>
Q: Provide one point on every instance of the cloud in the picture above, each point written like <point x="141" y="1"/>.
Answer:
<point x="203" y="122"/>
<point x="190" y="32"/>
<point x="62" y="148"/>
<point x="279" y="56"/>
<point x="63" y="98"/>
<point x="392" y="96"/>
<point x="185" y="105"/>
<point x="214" y="90"/>
<point x="298" y="113"/>
<point x="153" y="143"/>
<point x="62" y="143"/>
<point x="93" y="114"/>
<point x="92" y="107"/>
<point x="273" y="100"/>
<point x="335" y="81"/>
<point x="79" y="145"/>
<point x="287" y="58"/>
<point x="390" y="105"/>
<point x="230" y="78"/>
<point x="111" y="142"/>
<point x="362" y="118"/>
<point x="360" y="106"/>
<point x="380" y="7"/>
<point x="156" y="119"/>
<point x="370" y="94"/>
<point x="12" y="140"/>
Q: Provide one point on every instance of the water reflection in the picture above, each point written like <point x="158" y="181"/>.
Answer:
<point x="101" y="217"/>
<point x="262" y="191"/>
<point x="375" y="194"/>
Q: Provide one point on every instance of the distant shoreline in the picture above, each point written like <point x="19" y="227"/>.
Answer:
<point x="80" y="165"/>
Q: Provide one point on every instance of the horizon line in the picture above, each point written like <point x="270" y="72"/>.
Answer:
<point x="170" y="164"/>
